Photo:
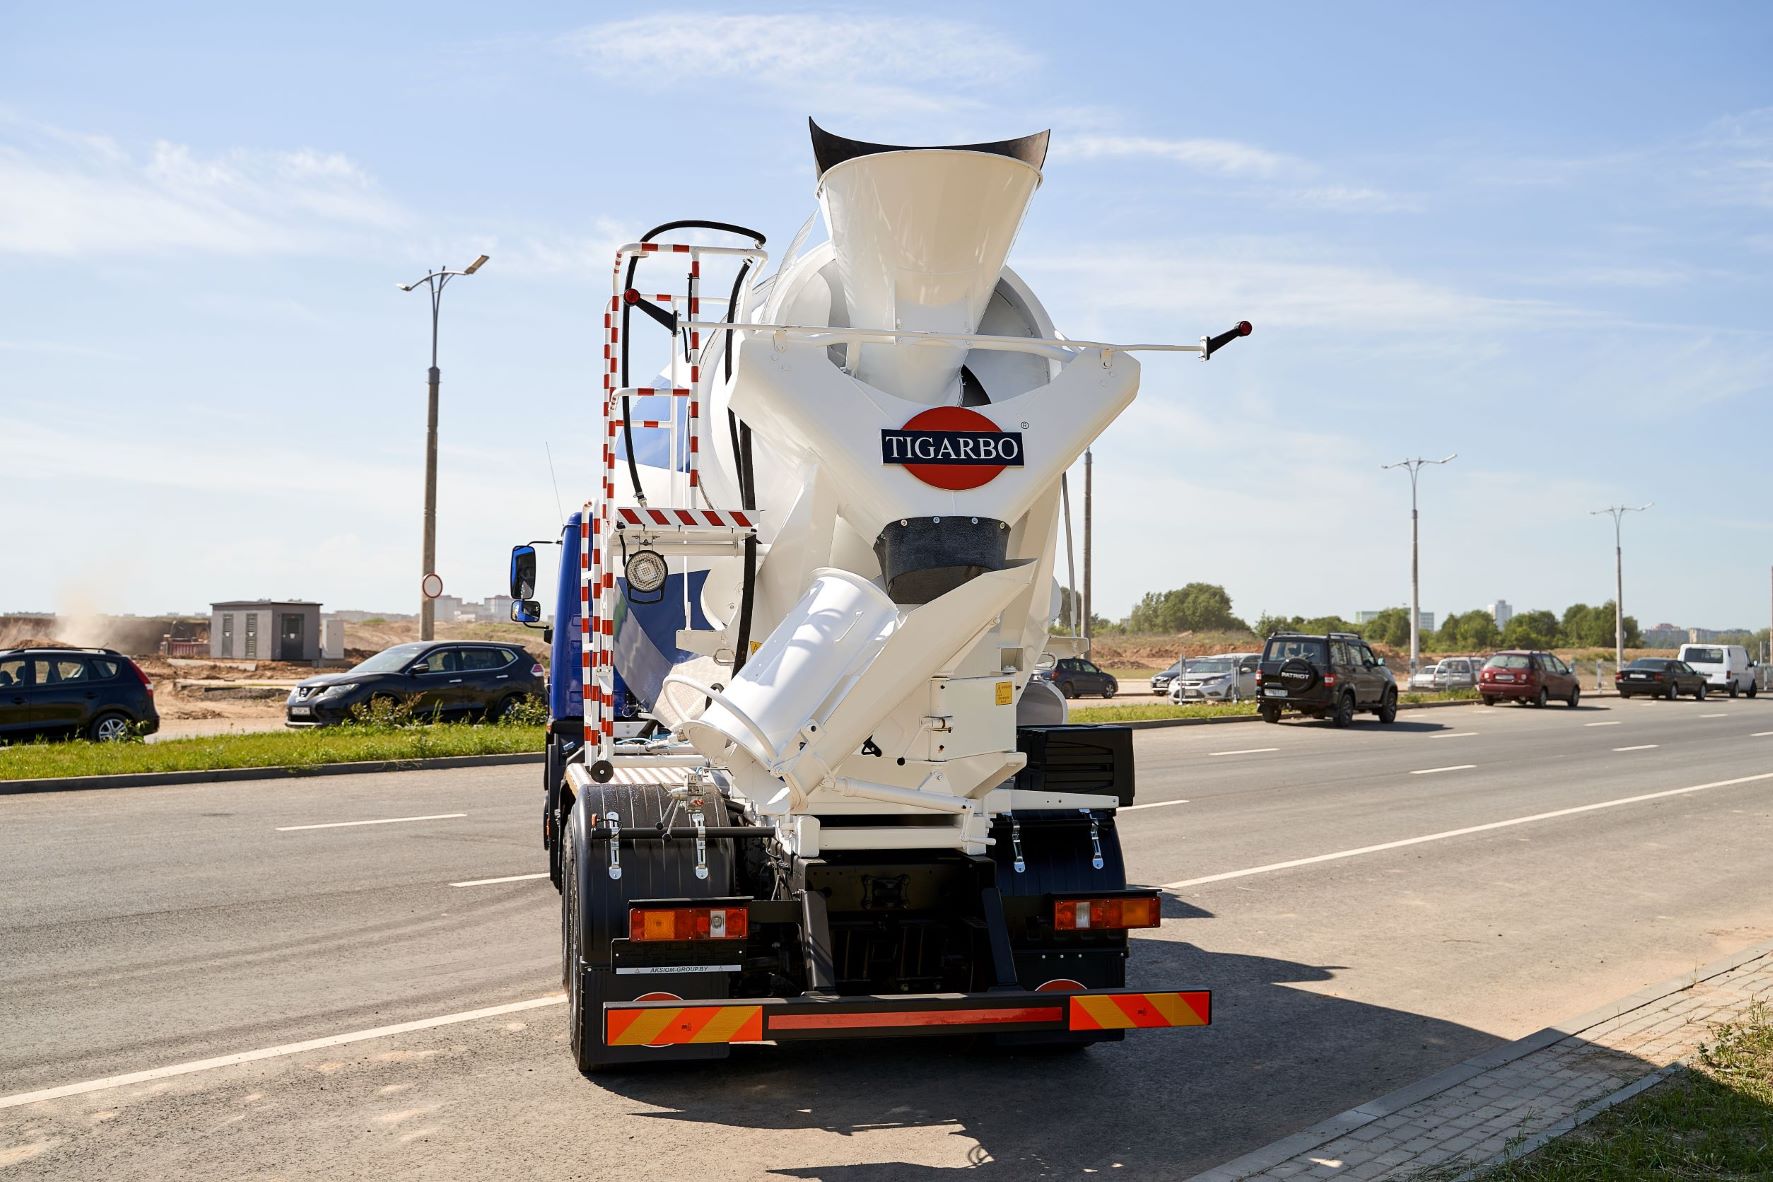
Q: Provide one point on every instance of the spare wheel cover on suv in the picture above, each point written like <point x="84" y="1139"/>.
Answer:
<point x="1299" y="674"/>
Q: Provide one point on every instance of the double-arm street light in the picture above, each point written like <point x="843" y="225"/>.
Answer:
<point x="1415" y="468"/>
<point x="1617" y="512"/>
<point x="434" y="283"/>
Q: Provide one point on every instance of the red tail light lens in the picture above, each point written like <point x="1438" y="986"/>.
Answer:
<point x="687" y="923"/>
<point x="1095" y="915"/>
<point x="535" y="670"/>
<point x="1329" y="679"/>
<point x="140" y="676"/>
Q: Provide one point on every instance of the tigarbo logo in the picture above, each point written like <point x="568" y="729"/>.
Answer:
<point x="952" y="447"/>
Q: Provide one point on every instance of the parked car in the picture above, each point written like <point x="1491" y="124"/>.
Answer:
<point x="1523" y="675"/>
<point x="1458" y="672"/>
<point x="1160" y="683"/>
<point x="1426" y="678"/>
<point x="1228" y="678"/>
<point x="445" y="679"/>
<point x="1659" y="677"/>
<point x="96" y="693"/>
<point x="1330" y="676"/>
<point x="1727" y="667"/>
<point x="1077" y="677"/>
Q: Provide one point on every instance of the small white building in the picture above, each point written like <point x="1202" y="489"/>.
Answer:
<point x="265" y="630"/>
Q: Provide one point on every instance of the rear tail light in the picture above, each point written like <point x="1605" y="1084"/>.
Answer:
<point x="1095" y="915"/>
<point x="687" y="923"/>
<point x="140" y="676"/>
<point x="1258" y="677"/>
<point x="535" y="670"/>
<point x="1329" y="679"/>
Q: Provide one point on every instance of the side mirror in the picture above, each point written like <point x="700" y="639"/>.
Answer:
<point x="526" y="611"/>
<point x="523" y="576"/>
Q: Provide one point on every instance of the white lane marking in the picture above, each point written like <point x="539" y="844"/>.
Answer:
<point x="290" y="1048"/>
<point x="1455" y="735"/>
<point x="1640" y="747"/>
<point x="1724" y="715"/>
<point x="1458" y="767"/>
<point x="383" y="821"/>
<point x="1409" y="841"/>
<point x="1156" y="804"/>
<point x="1245" y="751"/>
<point x="1760" y="734"/>
<point x="1602" y="724"/>
<point x="507" y="878"/>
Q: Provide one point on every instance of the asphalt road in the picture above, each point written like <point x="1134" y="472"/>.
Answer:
<point x="154" y="927"/>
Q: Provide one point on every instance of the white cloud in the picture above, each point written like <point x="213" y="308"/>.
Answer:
<point x="1220" y="157"/>
<point x="1349" y="198"/>
<point x="850" y="64"/>
<point x="65" y="193"/>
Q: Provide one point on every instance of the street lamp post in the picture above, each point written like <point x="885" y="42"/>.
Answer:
<point x="1415" y="469"/>
<point x="1617" y="512"/>
<point x="434" y="283"/>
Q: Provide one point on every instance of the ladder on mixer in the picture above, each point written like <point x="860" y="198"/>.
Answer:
<point x="680" y="530"/>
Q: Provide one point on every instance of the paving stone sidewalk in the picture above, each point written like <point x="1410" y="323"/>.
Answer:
<point x="1510" y="1101"/>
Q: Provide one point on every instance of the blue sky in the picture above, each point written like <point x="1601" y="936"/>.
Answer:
<point x="1540" y="236"/>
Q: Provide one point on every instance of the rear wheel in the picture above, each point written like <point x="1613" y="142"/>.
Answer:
<point x="1066" y="689"/>
<point x="1670" y="692"/>
<point x="1270" y="713"/>
<point x="108" y="728"/>
<point x="1732" y="689"/>
<point x="1344" y="711"/>
<point x="1487" y="699"/>
<point x="1541" y="698"/>
<point x="1388" y="707"/>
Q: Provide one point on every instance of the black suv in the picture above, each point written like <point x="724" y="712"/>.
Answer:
<point x="1076" y="677"/>
<point x="63" y="692"/>
<point x="442" y="679"/>
<point x="1329" y="676"/>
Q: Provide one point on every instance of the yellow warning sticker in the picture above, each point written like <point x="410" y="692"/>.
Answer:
<point x="1003" y="693"/>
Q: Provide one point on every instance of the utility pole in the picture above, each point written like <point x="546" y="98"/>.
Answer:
<point x="434" y="282"/>
<point x="1088" y="603"/>
<point x="1617" y="512"/>
<point x="1415" y="469"/>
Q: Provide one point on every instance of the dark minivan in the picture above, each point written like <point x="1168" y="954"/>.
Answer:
<point x="97" y="693"/>
<point x="445" y="679"/>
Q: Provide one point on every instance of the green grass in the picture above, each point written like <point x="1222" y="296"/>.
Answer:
<point x="1164" y="708"/>
<point x="354" y="743"/>
<point x="1713" y="1121"/>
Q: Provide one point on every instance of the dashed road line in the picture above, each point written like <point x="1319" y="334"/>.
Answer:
<point x="1603" y="724"/>
<point x="507" y="878"/>
<point x="1725" y="715"/>
<point x="1245" y="751"/>
<point x="1458" y="767"/>
<point x="1760" y="734"/>
<point x="1468" y="830"/>
<point x="1456" y="735"/>
<point x="1640" y="747"/>
<point x="277" y="1052"/>
<point x="1156" y="804"/>
<point x="382" y="821"/>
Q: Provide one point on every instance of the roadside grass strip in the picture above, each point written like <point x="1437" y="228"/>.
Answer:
<point x="1151" y="711"/>
<point x="303" y="748"/>
<point x="1712" y="1120"/>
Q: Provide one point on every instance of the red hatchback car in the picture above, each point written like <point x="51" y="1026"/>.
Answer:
<point x="1524" y="676"/>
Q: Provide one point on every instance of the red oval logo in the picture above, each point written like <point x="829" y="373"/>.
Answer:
<point x="952" y="447"/>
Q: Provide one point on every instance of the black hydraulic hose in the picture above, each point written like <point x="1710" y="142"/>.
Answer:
<point x="627" y="308"/>
<point x="747" y="594"/>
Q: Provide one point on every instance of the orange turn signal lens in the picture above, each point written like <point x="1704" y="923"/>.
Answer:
<point x="1095" y="915"/>
<point x="687" y="923"/>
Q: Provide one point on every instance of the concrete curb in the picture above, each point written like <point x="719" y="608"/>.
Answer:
<point x="228" y="774"/>
<point x="1147" y="724"/>
<point x="1344" y="1123"/>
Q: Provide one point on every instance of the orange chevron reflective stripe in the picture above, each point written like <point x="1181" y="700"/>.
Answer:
<point x="1139" y="1011"/>
<point x="666" y="1026"/>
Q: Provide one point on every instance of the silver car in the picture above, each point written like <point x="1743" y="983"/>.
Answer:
<point x="1426" y="678"/>
<point x="1228" y="678"/>
<point x="1457" y="673"/>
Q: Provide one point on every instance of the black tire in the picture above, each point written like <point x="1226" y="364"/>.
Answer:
<point x="1067" y="690"/>
<point x="1732" y="689"/>
<point x="1109" y="690"/>
<point x="1753" y="688"/>
<point x="1344" y="711"/>
<point x="1388" y="707"/>
<point x="1270" y="713"/>
<point x="1540" y="699"/>
<point x="109" y="727"/>
<point x="1487" y="699"/>
<point x="594" y="909"/>
<point x="1699" y="692"/>
<point x="1299" y="675"/>
<point x="1671" y="692"/>
<point x="503" y="707"/>
<point x="1575" y="698"/>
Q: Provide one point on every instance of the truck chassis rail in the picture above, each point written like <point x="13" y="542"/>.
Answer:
<point x="774" y="1019"/>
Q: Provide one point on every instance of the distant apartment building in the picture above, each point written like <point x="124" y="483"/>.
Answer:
<point x="1502" y="612"/>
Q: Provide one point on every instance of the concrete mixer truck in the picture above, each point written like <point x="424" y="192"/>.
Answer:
<point x="804" y="781"/>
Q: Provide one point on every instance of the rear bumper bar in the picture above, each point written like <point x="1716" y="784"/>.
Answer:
<point x="774" y="1019"/>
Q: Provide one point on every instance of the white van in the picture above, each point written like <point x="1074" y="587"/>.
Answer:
<point x="1726" y="666"/>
